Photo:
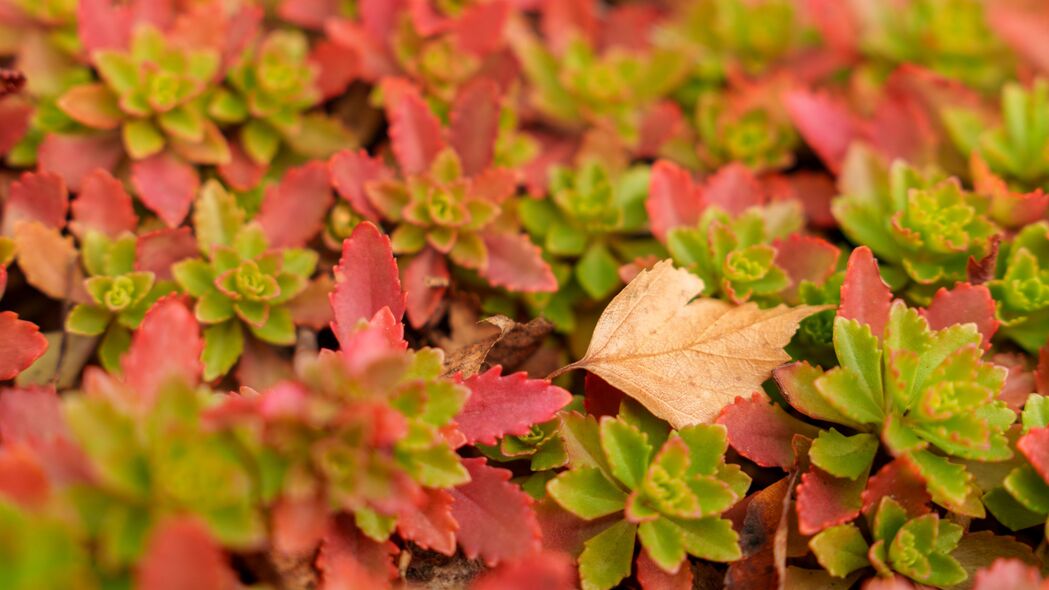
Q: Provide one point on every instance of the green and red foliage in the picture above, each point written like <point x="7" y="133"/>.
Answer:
<point x="290" y="291"/>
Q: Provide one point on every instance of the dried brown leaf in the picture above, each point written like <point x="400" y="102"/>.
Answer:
<point x="685" y="359"/>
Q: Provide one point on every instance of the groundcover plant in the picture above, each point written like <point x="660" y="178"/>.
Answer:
<point x="519" y="294"/>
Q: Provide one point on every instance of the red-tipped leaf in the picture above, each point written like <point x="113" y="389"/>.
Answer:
<point x="496" y="519"/>
<point x="293" y="210"/>
<point x="501" y="405"/>
<point x="864" y="295"/>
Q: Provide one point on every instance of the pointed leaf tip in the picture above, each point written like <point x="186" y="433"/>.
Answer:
<point x="864" y="295"/>
<point x="501" y="405"/>
<point x="166" y="346"/>
<point x="366" y="280"/>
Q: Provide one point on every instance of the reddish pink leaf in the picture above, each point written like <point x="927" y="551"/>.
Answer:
<point x="241" y="172"/>
<point x="566" y="532"/>
<point x="166" y="186"/>
<point x="674" y="199"/>
<point x="500" y="405"/>
<point x="426" y="19"/>
<point x="23" y="479"/>
<point x="3" y="280"/>
<point x="652" y="577"/>
<point x="496" y="520"/>
<point x="630" y="26"/>
<point x="262" y="367"/>
<point x="864" y="295"/>
<point x="348" y="559"/>
<point x="517" y="264"/>
<point x="494" y="185"/>
<point x="337" y="67"/>
<point x="74" y="156"/>
<point x="601" y="399"/>
<point x="901" y="129"/>
<point x="824" y="500"/>
<point x="805" y="258"/>
<point x="734" y="188"/>
<point x="1012" y="209"/>
<point x="896" y="582"/>
<point x="350" y="172"/>
<point x="1011" y="574"/>
<point x="294" y="209"/>
<point x="1041" y="372"/>
<point x="312" y="307"/>
<point x="36" y="197"/>
<point x="156" y="251"/>
<point x="103" y="205"/>
<point x="31" y="415"/>
<point x="382" y="337"/>
<point x="475" y="124"/>
<point x="181" y="554"/>
<point x="165" y="347"/>
<point x="310" y="14"/>
<point x="962" y="305"/>
<point x="1022" y="27"/>
<point x="14" y="122"/>
<point x="102" y="24"/>
<point x="479" y="30"/>
<point x="899" y="480"/>
<point x="298" y="524"/>
<point x="415" y="131"/>
<point x="814" y="190"/>
<point x="1035" y="446"/>
<point x="661" y="123"/>
<point x="762" y="431"/>
<point x="564" y="20"/>
<point x="1020" y="380"/>
<point x="366" y="280"/>
<point x="430" y="525"/>
<point x="548" y="570"/>
<point x="425" y="280"/>
<point x="380" y="16"/>
<point x="826" y="124"/>
<point x="21" y="344"/>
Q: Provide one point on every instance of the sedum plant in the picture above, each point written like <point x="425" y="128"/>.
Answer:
<point x="1021" y="499"/>
<point x="926" y="227"/>
<point x="666" y="488"/>
<point x="1022" y="291"/>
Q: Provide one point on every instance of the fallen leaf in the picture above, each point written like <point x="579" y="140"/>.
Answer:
<point x="682" y="359"/>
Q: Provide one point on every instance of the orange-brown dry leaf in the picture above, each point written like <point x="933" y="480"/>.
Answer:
<point x="684" y="359"/>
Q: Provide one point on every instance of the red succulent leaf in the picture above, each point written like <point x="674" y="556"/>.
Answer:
<point x="102" y="24"/>
<point x="805" y="258"/>
<point x="479" y="30"/>
<point x="1035" y="446"/>
<point x="652" y="577"/>
<point x="379" y="338"/>
<point x="425" y="280"/>
<point x="156" y="251"/>
<point x="1020" y="381"/>
<point x="517" y="264"/>
<point x="814" y="190"/>
<point x="23" y="479"/>
<point x="896" y="582"/>
<point x="241" y="172"/>
<point x="348" y="559"/>
<point x="837" y="24"/>
<point x="21" y="345"/>
<point x="1041" y="372"/>
<point x="3" y="280"/>
<point x="824" y="500"/>
<point x="366" y="280"/>
<point x="475" y="124"/>
<point x="298" y="524"/>
<point x="864" y="295"/>
<point x="660" y="124"/>
<point x="899" y="480"/>
<point x="674" y="199"/>
<point x="33" y="417"/>
<point x="734" y="188"/>
<point x="1022" y="26"/>
<point x="36" y="196"/>
<point x="103" y="205"/>
<point x="180" y="553"/>
<point x="165" y="347"/>
<point x="900" y="128"/>
<point x="350" y="172"/>
<point x="415" y="131"/>
<point x="496" y="519"/>
<point x="14" y="122"/>
<point x="430" y="524"/>
<point x="494" y="185"/>
<point x="426" y="19"/>
<point x="762" y="431"/>
<point x="1010" y="208"/>
<point x="310" y="14"/>
<point x="312" y="307"/>
<point x="629" y="26"/>
<point x="166" y="186"/>
<point x="379" y="17"/>
<point x="962" y="305"/>
<point x="762" y="520"/>
<point x="501" y="405"/>
<point x="601" y="398"/>
<point x="293" y="210"/>
<point x="73" y="157"/>
<point x="549" y="570"/>
<point x="1013" y="574"/>
<point x="337" y="66"/>
<point x="826" y="124"/>
<point x="565" y="20"/>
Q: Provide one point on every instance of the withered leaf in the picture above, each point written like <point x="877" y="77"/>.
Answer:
<point x="682" y="358"/>
<point x="511" y="346"/>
